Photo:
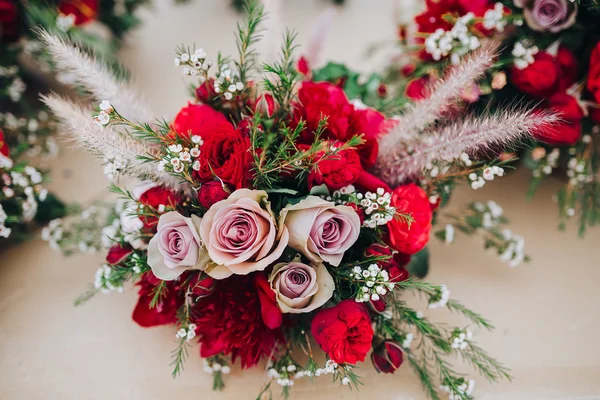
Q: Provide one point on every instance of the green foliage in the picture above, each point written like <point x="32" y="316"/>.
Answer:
<point x="419" y="264"/>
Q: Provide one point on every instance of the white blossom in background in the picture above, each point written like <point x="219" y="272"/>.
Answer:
<point x="494" y="18"/>
<point x="65" y="22"/>
<point x="523" y="56"/>
<point x="440" y="299"/>
<point x="456" y="42"/>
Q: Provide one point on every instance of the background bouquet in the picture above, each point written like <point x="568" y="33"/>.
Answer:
<point x="551" y="58"/>
<point x="267" y="220"/>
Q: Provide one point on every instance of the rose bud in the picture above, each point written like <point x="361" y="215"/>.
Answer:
<point x="378" y="305"/>
<point x="301" y="288"/>
<point x="265" y="104"/>
<point x="206" y="91"/>
<point x="202" y="285"/>
<point x="176" y="247"/>
<point x="387" y="357"/>
<point x="117" y="254"/>
<point x="211" y="193"/>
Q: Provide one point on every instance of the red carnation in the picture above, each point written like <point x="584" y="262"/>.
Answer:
<point x="336" y="171"/>
<point x="230" y="321"/>
<point x="210" y="193"/>
<point x="568" y="131"/>
<point x="118" y="253"/>
<point x="165" y="310"/>
<point x="226" y="155"/>
<point x="9" y="21"/>
<point x="539" y="79"/>
<point x="344" y="331"/>
<point x="201" y="120"/>
<point x="154" y="198"/>
<point x="83" y="10"/>
<point x="387" y="357"/>
<point x="413" y="200"/>
<point x="4" y="150"/>
<point x="593" y="80"/>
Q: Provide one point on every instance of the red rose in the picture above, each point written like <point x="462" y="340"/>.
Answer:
<point x="199" y="119"/>
<point x="201" y="285"/>
<point x="370" y="124"/>
<point x="568" y="131"/>
<point x="344" y="331"/>
<point x="387" y="357"/>
<point x="336" y="171"/>
<point x="155" y="197"/>
<point x="230" y="321"/>
<point x="413" y="200"/>
<point x="164" y="311"/>
<point x="117" y="254"/>
<point x="539" y="79"/>
<point x="210" y="193"/>
<point x="271" y="314"/>
<point x="416" y="89"/>
<point x="83" y="10"/>
<point x="206" y="91"/>
<point x="9" y="21"/>
<point x="4" y="150"/>
<point x="226" y="155"/>
<point x="593" y="80"/>
<point x="569" y="68"/>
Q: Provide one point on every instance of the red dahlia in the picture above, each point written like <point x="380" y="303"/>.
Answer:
<point x="230" y="321"/>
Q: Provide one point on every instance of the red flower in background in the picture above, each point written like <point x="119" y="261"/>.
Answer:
<point x="165" y="310"/>
<point x="568" y="131"/>
<point x="155" y="197"/>
<point x="199" y="119"/>
<point x="387" y="357"/>
<point x="230" y="321"/>
<point x="83" y="10"/>
<point x="210" y="193"/>
<point x="118" y="253"/>
<point x="593" y="80"/>
<point x="416" y="89"/>
<point x="9" y="21"/>
<point x="336" y="171"/>
<point x="4" y="150"/>
<point x="413" y="200"/>
<point x="344" y="331"/>
<point x="547" y="74"/>
<point x="206" y="91"/>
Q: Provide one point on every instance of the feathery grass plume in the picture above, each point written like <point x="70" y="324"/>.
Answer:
<point x="96" y="77"/>
<point x="443" y="93"/>
<point x="446" y="143"/>
<point x="108" y="144"/>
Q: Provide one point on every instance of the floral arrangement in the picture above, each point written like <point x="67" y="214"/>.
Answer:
<point x="274" y="214"/>
<point x="551" y="58"/>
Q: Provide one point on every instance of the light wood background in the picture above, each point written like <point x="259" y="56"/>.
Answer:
<point x="546" y="312"/>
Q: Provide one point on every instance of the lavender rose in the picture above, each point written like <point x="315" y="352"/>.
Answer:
<point x="176" y="246"/>
<point x="240" y="234"/>
<point x="320" y="230"/>
<point x="548" y="15"/>
<point x="301" y="288"/>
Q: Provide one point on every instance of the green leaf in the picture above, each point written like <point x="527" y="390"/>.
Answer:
<point x="419" y="264"/>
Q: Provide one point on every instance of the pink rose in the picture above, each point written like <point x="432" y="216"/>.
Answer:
<point x="240" y="234"/>
<point x="176" y="246"/>
<point x="301" y="288"/>
<point x="320" y="230"/>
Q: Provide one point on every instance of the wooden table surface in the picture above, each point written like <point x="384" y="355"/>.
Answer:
<point x="546" y="312"/>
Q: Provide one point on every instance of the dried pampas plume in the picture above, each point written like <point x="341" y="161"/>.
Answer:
<point x="106" y="143"/>
<point x="96" y="78"/>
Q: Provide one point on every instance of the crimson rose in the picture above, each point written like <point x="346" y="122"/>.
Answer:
<point x="593" y="80"/>
<point x="83" y="10"/>
<point x="387" y="357"/>
<point x="413" y="200"/>
<point x="547" y="74"/>
<point x="210" y="193"/>
<point x="199" y="119"/>
<point x="344" y="331"/>
<point x="155" y="197"/>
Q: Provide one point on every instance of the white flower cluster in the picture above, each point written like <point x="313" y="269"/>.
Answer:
<point x="514" y="254"/>
<point x="113" y="166"/>
<point x="373" y="282"/>
<point x="378" y="208"/>
<point x="547" y="162"/>
<point x="408" y="339"/>
<point x="449" y="233"/>
<point x="460" y="339"/>
<point x="212" y="367"/>
<point x="53" y="233"/>
<point x="65" y="22"/>
<point x="330" y="368"/>
<point x="188" y="334"/>
<point x="440" y="298"/>
<point x="458" y="41"/>
<point x="487" y="174"/>
<point x="494" y="18"/>
<point x="16" y="87"/>
<point x="578" y="172"/>
<point x="465" y="388"/>
<point x="102" y="280"/>
<point x="194" y="64"/>
<point x="103" y="117"/>
<point x="228" y="82"/>
<point x="4" y="231"/>
<point x="523" y="56"/>
<point x="179" y="157"/>
<point x="286" y="376"/>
